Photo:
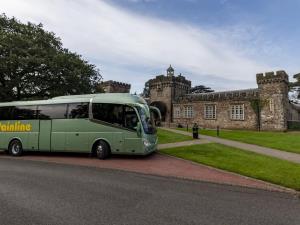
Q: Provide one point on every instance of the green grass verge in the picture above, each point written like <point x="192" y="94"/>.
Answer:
<point x="250" y="164"/>
<point x="289" y="141"/>
<point x="170" y="137"/>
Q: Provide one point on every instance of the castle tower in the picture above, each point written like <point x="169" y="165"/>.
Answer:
<point x="273" y="95"/>
<point x="111" y="86"/>
<point x="165" y="89"/>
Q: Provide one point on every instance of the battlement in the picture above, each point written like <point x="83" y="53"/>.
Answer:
<point x="116" y="83"/>
<point x="271" y="77"/>
<point x="111" y="86"/>
<point x="169" y="80"/>
<point x="246" y="94"/>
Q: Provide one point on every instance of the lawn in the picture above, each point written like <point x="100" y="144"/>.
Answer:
<point x="289" y="141"/>
<point x="170" y="137"/>
<point x="250" y="164"/>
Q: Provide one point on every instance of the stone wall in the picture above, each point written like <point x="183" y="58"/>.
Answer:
<point x="223" y="102"/>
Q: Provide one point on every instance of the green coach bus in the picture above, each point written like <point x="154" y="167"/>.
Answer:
<point x="100" y="124"/>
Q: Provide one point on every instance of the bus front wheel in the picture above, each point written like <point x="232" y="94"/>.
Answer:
<point x="102" y="149"/>
<point x="15" y="148"/>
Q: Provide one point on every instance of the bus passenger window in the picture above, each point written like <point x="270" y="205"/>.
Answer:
<point x="78" y="110"/>
<point x="57" y="111"/>
<point x="110" y="113"/>
<point x="6" y="113"/>
<point x="130" y="118"/>
<point x="25" y="113"/>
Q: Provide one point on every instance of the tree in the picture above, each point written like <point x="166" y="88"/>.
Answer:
<point x="295" y="89"/>
<point x="201" y="89"/>
<point x="34" y="64"/>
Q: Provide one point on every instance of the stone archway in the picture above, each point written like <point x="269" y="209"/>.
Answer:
<point x="162" y="107"/>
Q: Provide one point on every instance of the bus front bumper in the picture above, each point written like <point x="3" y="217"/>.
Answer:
<point x="149" y="147"/>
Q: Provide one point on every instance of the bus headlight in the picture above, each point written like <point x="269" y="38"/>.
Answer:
<point x="146" y="143"/>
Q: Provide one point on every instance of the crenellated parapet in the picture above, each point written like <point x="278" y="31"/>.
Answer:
<point x="272" y="77"/>
<point x="169" y="81"/>
<point x="116" y="83"/>
<point x="111" y="86"/>
<point x="247" y="94"/>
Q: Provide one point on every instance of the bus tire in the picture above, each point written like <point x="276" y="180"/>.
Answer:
<point x="15" y="148"/>
<point x="102" y="150"/>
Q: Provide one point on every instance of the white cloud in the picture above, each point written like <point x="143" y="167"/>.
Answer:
<point x="136" y="1"/>
<point x="112" y="37"/>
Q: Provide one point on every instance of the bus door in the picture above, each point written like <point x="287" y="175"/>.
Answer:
<point x="45" y="135"/>
<point x="132" y="143"/>
<point x="118" y="141"/>
<point x="77" y="127"/>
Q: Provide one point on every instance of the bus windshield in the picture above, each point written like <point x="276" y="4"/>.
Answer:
<point x="147" y="121"/>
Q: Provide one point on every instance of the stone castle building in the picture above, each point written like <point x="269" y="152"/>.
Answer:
<point x="265" y="108"/>
<point x="111" y="86"/>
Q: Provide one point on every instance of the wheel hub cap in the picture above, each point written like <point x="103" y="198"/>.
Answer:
<point x="15" y="149"/>
<point x="99" y="149"/>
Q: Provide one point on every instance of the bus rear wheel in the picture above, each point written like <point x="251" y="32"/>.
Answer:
<point x="15" y="148"/>
<point x="102" y="150"/>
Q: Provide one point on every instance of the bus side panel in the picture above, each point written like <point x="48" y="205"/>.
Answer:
<point x="132" y="143"/>
<point x="27" y="134"/>
<point x="8" y="136"/>
<point x="45" y="135"/>
<point x="120" y="140"/>
<point x="106" y="136"/>
<point x="22" y="136"/>
<point x="58" y="134"/>
<point x="3" y="143"/>
<point x="112" y="135"/>
<point x="77" y="135"/>
<point x="33" y="135"/>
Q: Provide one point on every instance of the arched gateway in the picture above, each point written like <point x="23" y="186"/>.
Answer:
<point x="162" y="108"/>
<point x="165" y="89"/>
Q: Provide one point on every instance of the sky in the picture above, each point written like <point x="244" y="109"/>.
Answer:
<point x="218" y="43"/>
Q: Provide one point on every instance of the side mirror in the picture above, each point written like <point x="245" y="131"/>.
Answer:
<point x="155" y="109"/>
<point x="139" y="129"/>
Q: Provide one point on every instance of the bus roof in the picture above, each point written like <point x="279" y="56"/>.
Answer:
<point x="116" y="98"/>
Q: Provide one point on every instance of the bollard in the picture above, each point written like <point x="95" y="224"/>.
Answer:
<point x="195" y="131"/>
<point x="187" y="127"/>
<point x="218" y="131"/>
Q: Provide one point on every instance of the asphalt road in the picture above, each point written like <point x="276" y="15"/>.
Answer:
<point x="49" y="193"/>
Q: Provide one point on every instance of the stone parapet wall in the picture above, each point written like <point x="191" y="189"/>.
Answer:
<point x="272" y="77"/>
<point x="169" y="81"/>
<point x="111" y="86"/>
<point x="246" y="94"/>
